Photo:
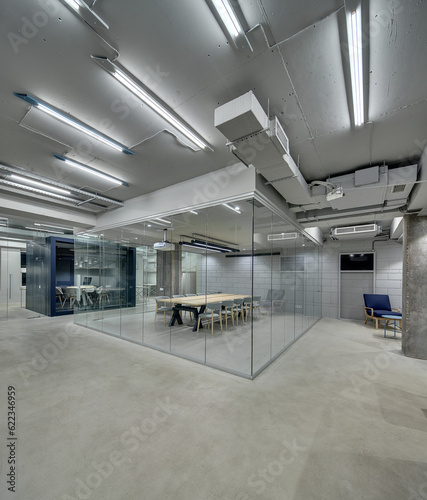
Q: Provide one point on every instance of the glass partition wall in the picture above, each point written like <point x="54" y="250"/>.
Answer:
<point x="160" y="283"/>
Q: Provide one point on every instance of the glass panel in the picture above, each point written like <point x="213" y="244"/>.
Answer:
<point x="185" y="341"/>
<point x="262" y="286"/>
<point x="282" y="281"/>
<point x="230" y="272"/>
<point x="153" y="294"/>
<point x="38" y="276"/>
<point x="63" y="281"/>
<point x="299" y="285"/>
<point x="4" y="278"/>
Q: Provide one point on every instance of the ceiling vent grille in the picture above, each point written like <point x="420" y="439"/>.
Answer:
<point x="399" y="188"/>
<point x="364" y="231"/>
<point x="282" y="236"/>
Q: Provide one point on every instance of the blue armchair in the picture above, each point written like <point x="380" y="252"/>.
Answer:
<point x="376" y="305"/>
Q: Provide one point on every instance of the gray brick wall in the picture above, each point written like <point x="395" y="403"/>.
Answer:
<point x="387" y="278"/>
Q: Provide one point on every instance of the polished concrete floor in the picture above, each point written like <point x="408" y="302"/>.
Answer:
<point x="342" y="414"/>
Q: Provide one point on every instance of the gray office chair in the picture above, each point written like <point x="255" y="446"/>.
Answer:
<point x="228" y="310"/>
<point x="212" y="313"/>
<point x="164" y="309"/>
<point x="239" y="308"/>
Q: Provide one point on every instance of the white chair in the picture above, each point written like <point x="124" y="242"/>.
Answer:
<point x="70" y="295"/>
<point x="103" y="295"/>
<point x="227" y="310"/>
<point x="59" y="294"/>
<point x="212" y="313"/>
<point x="164" y="309"/>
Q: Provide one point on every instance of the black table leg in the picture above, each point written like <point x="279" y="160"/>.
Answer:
<point x="176" y="316"/>
<point x="196" y="316"/>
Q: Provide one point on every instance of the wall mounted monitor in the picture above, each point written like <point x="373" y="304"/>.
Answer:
<point x="357" y="262"/>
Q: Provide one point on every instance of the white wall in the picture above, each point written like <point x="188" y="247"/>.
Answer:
<point x="388" y="271"/>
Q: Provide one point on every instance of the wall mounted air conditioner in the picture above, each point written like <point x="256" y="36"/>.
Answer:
<point x="282" y="236"/>
<point x="353" y="232"/>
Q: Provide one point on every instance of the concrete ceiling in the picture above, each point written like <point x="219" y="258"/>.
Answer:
<point x="297" y="70"/>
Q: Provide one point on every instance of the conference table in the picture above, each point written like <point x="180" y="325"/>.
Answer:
<point x="196" y="304"/>
<point x="82" y="293"/>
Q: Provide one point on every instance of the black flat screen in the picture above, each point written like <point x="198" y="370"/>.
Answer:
<point x="357" y="262"/>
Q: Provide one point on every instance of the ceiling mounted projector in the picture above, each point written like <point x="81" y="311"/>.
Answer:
<point x="164" y="245"/>
<point x="335" y="193"/>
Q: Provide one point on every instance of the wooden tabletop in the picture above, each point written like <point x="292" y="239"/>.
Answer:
<point x="200" y="300"/>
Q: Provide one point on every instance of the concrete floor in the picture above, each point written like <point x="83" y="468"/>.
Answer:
<point x="340" y="415"/>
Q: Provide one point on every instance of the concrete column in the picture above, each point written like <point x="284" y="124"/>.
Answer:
<point x="169" y="267"/>
<point x="414" y="336"/>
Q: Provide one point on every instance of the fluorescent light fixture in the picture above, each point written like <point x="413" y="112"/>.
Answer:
<point x="128" y="81"/>
<point x="193" y="245"/>
<point x="228" y="17"/>
<point x="164" y="220"/>
<point x="46" y="108"/>
<point x="86" y="13"/>
<point x="235" y="209"/>
<point x="35" y="190"/>
<point x="356" y="64"/>
<point x="213" y="246"/>
<point x="39" y="184"/>
<point x="73" y="4"/>
<point x="13" y="239"/>
<point x="53" y="227"/>
<point x="157" y="223"/>
<point x="91" y="170"/>
<point x="194" y="212"/>
<point x="44" y="230"/>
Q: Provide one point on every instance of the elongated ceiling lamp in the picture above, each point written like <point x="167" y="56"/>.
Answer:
<point x="46" y="108"/>
<point x="86" y="13"/>
<point x="235" y="209"/>
<point x="228" y="17"/>
<point x="91" y="170"/>
<point x="39" y="184"/>
<point x="354" y="28"/>
<point x="131" y="83"/>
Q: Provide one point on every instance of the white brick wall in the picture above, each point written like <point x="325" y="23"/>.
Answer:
<point x="388" y="271"/>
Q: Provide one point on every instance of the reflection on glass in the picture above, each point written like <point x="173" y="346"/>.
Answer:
<point x="251" y="272"/>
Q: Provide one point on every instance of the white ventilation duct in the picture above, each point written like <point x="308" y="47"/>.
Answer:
<point x="256" y="140"/>
<point x="261" y="142"/>
<point x="354" y="232"/>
